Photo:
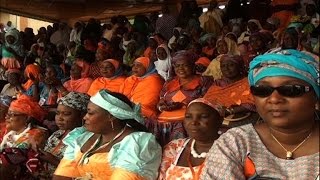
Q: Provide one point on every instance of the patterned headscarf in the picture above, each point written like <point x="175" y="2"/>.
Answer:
<point x="216" y="106"/>
<point x="75" y="100"/>
<point x="290" y="63"/>
<point x="117" y="107"/>
<point x="231" y="45"/>
<point x="26" y="105"/>
<point x="5" y="100"/>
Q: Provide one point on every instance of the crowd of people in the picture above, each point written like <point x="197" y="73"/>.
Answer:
<point x="150" y="100"/>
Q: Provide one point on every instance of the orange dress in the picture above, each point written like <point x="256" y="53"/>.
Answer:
<point x="144" y="91"/>
<point x="169" y="170"/>
<point x="98" y="169"/>
<point x="106" y="83"/>
<point x="236" y="93"/>
<point x="285" y="15"/>
<point x="80" y="85"/>
<point x="3" y="130"/>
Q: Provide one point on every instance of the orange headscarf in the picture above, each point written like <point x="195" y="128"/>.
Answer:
<point x="84" y="66"/>
<point x="26" y="105"/>
<point x="114" y="62"/>
<point x="203" y="61"/>
<point x="32" y="70"/>
<point x="145" y="61"/>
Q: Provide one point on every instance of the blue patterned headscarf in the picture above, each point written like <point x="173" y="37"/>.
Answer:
<point x="288" y="62"/>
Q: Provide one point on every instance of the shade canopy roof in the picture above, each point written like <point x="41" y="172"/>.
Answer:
<point x="71" y="10"/>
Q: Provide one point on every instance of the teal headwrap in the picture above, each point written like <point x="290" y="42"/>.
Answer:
<point x="290" y="63"/>
<point x="117" y="107"/>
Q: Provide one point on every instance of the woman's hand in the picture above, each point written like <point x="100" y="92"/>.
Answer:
<point x="48" y="157"/>
<point x="52" y="82"/>
<point x="174" y="106"/>
<point x="162" y="105"/>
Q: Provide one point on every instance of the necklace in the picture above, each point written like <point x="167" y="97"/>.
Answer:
<point x="196" y="175"/>
<point x="289" y="154"/>
<point x="194" y="152"/>
<point x="86" y="155"/>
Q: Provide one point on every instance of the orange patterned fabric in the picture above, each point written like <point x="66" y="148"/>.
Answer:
<point x="106" y="83"/>
<point x="234" y="94"/>
<point x="26" y="105"/>
<point x="144" y="91"/>
<point x="168" y="168"/>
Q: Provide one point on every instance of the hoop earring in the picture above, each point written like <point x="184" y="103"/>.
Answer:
<point x="112" y="126"/>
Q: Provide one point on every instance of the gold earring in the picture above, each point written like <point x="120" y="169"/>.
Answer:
<point x="112" y="126"/>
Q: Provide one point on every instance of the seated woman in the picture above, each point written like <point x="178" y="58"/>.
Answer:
<point x="33" y="75"/>
<point x="79" y="82"/>
<point x="184" y="158"/>
<point x="152" y="46"/>
<point x="258" y="44"/>
<point x="70" y="112"/>
<point x="13" y="87"/>
<point x="112" y="77"/>
<point x="285" y="87"/>
<point x="103" y="52"/>
<point x="16" y="149"/>
<point x="223" y="46"/>
<point x="201" y="65"/>
<point x="209" y="41"/>
<point x="232" y="90"/>
<point x="112" y="145"/>
<point x="51" y="88"/>
<point x="163" y="63"/>
<point x="12" y="51"/>
<point x="144" y="86"/>
<point x="176" y="95"/>
<point x="5" y="102"/>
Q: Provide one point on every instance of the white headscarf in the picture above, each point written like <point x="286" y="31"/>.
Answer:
<point x="163" y="66"/>
<point x="116" y="107"/>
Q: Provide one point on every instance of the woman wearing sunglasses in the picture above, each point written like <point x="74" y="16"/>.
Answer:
<point x="285" y="86"/>
<point x="18" y="160"/>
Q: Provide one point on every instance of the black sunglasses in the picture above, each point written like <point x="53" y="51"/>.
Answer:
<point x="285" y="90"/>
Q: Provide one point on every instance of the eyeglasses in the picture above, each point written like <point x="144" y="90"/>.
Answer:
<point x="285" y="90"/>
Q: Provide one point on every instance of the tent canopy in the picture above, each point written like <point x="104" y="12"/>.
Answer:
<point x="73" y="10"/>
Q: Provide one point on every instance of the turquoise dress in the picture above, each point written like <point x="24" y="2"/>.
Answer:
<point x="138" y="152"/>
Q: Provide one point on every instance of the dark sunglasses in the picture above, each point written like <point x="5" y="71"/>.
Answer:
<point x="285" y="90"/>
